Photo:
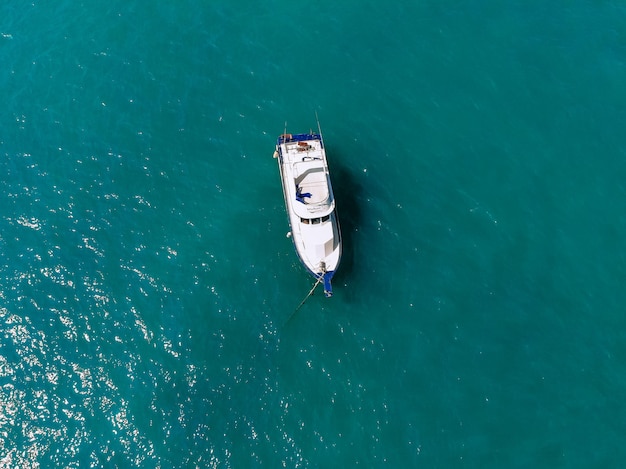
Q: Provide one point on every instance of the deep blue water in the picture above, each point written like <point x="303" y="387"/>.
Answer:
<point x="147" y="287"/>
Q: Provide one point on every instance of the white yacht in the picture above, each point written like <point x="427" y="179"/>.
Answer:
<point x="310" y="204"/>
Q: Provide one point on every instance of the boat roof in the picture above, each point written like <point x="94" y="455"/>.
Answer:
<point x="304" y="162"/>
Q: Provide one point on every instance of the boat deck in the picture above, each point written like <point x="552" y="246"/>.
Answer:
<point x="311" y="180"/>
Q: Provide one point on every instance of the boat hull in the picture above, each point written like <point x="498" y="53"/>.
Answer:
<point x="310" y="204"/>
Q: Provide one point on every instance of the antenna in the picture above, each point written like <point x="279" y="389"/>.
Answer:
<point x="319" y="128"/>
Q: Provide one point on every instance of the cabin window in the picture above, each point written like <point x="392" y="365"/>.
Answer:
<point x="315" y="221"/>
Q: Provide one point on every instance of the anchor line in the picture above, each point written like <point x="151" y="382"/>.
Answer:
<point x="320" y="278"/>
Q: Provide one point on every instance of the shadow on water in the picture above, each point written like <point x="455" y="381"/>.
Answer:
<point x="346" y="189"/>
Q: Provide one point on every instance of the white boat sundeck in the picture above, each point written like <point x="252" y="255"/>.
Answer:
<point x="310" y="204"/>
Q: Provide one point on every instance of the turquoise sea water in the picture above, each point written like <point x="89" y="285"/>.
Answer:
<point x="478" y="159"/>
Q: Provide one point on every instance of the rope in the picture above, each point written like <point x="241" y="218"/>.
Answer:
<point x="319" y="280"/>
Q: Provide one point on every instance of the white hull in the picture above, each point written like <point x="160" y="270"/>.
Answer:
<point x="310" y="204"/>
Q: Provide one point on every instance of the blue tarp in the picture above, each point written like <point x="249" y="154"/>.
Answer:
<point x="328" y="288"/>
<point x="300" y="196"/>
<point x="298" y="138"/>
